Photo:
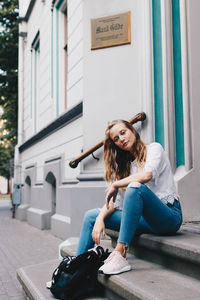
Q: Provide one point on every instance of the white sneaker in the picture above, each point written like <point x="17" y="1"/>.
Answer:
<point x="115" y="264"/>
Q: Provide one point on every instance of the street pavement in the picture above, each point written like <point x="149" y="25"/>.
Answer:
<point x="20" y="245"/>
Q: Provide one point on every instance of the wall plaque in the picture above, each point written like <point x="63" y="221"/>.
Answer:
<point x="110" y="31"/>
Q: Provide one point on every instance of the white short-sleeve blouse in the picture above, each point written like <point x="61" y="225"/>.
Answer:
<point x="162" y="183"/>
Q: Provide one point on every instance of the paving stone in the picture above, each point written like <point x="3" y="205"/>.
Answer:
<point x="17" y="298"/>
<point x="21" y="245"/>
<point x="5" y="276"/>
<point x="2" y="290"/>
<point x="5" y="297"/>
<point x="11" y="289"/>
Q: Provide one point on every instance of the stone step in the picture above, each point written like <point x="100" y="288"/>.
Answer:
<point x="146" y="281"/>
<point x="180" y="252"/>
<point x="33" y="280"/>
<point x="193" y="226"/>
<point x="149" y="281"/>
<point x="72" y="243"/>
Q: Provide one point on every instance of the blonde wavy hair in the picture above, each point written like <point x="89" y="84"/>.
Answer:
<point x="118" y="161"/>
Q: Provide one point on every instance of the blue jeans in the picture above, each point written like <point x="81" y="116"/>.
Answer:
<point x="143" y="212"/>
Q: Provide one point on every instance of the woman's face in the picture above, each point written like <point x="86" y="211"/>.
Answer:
<point x="123" y="137"/>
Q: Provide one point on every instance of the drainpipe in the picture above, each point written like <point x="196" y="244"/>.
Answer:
<point x="22" y="40"/>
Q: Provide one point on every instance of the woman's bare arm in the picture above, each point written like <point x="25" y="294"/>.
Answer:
<point x="99" y="226"/>
<point x="140" y="177"/>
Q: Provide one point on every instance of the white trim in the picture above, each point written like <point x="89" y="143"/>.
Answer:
<point x="63" y="6"/>
<point x="168" y="80"/>
<point x="21" y="92"/>
<point x="164" y="72"/>
<point x="185" y="87"/>
<point x="146" y="74"/>
<point x="61" y="218"/>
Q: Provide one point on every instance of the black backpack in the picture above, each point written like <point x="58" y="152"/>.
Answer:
<point x="76" y="277"/>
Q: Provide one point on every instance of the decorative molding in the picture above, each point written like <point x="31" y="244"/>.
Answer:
<point x="168" y="81"/>
<point x="52" y="159"/>
<point x="28" y="12"/>
<point x="85" y="176"/>
<point x="185" y="86"/>
<point x="30" y="167"/>
<point x="146" y="71"/>
<point x="23" y="34"/>
<point x="70" y="116"/>
<point x="69" y="181"/>
<point x="35" y="40"/>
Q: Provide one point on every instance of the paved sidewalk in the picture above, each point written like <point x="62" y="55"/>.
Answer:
<point x="20" y="245"/>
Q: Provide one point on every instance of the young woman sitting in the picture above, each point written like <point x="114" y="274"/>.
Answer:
<point x="142" y="196"/>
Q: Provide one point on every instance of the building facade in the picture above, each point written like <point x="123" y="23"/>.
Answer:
<point x="3" y="185"/>
<point x="69" y="90"/>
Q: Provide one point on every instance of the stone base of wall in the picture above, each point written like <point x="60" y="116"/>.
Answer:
<point x="60" y="226"/>
<point x="21" y="212"/>
<point x="39" y="218"/>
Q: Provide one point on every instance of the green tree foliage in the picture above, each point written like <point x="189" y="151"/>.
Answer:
<point x="6" y="155"/>
<point x="8" y="81"/>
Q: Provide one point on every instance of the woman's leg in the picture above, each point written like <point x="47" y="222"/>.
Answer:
<point x="86" y="242"/>
<point x="141" y="201"/>
<point x="143" y="227"/>
<point x="142" y="211"/>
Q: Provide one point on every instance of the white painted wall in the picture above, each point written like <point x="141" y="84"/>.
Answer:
<point x="75" y="52"/>
<point x="23" y="6"/>
<point x="113" y="83"/>
<point x="188" y="182"/>
<point x="40" y="19"/>
<point x="114" y="77"/>
<point x="3" y="185"/>
<point x="67" y="141"/>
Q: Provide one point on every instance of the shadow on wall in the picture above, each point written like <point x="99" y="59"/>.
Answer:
<point x="51" y="191"/>
<point x="27" y="190"/>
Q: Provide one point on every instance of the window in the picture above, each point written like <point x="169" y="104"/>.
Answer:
<point x="35" y="63"/>
<point x="61" y="56"/>
<point x="65" y="54"/>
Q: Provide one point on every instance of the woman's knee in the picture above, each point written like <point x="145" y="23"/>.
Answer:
<point x="134" y="184"/>
<point x="134" y="188"/>
<point x="133" y="192"/>
<point x="91" y="215"/>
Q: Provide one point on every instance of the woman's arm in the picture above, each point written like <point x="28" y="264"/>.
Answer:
<point x="99" y="226"/>
<point x="140" y="177"/>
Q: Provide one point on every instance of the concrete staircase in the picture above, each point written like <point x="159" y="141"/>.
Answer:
<point x="162" y="268"/>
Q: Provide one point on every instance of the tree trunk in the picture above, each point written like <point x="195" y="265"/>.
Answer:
<point x="8" y="185"/>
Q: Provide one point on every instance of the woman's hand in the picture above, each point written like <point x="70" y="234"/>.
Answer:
<point x="99" y="227"/>
<point x="112" y="193"/>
